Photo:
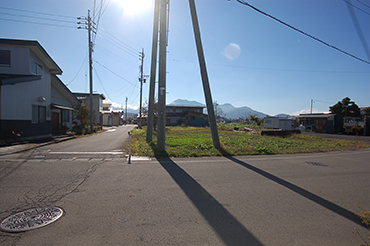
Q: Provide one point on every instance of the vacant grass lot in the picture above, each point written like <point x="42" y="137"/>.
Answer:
<point x="197" y="141"/>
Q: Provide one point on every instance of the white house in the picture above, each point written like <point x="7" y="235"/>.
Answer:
<point x="30" y="91"/>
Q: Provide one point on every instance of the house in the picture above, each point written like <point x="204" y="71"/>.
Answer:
<point x="321" y="123"/>
<point x="186" y="115"/>
<point x="97" y="105"/>
<point x="33" y="100"/>
<point x="110" y="116"/>
<point x="278" y="123"/>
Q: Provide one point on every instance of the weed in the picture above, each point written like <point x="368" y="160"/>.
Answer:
<point x="365" y="216"/>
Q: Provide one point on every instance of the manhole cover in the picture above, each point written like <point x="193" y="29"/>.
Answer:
<point x="316" y="164"/>
<point x="31" y="219"/>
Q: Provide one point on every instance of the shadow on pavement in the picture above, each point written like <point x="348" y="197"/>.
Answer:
<point x="229" y="229"/>
<point x="305" y="193"/>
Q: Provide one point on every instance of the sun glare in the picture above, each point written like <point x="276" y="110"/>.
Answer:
<point x="134" y="7"/>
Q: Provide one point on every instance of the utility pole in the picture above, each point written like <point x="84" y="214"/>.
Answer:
<point x="161" y="131"/>
<point x="311" y="105"/>
<point x="141" y="79"/>
<point x="90" y="73"/>
<point x="126" y="112"/>
<point x="153" y="73"/>
<point x="204" y="74"/>
<point x="90" y="28"/>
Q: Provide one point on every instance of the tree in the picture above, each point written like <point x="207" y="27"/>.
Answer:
<point x="253" y="119"/>
<point x="81" y="114"/>
<point x="346" y="107"/>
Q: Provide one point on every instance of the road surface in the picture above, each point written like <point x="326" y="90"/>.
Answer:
<point x="305" y="199"/>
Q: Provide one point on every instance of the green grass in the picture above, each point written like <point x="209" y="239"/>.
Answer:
<point x="193" y="142"/>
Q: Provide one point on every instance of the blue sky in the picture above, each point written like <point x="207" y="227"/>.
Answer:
<point x="252" y="60"/>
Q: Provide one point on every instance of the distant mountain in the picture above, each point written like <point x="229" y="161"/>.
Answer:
<point x="227" y="109"/>
<point x="232" y="112"/>
<point x="183" y="102"/>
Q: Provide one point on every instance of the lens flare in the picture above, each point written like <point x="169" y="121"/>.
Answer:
<point x="232" y="51"/>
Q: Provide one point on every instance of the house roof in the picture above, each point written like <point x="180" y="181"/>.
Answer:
<point x="80" y="95"/>
<point x="315" y="115"/>
<point x="60" y="86"/>
<point x="36" y="47"/>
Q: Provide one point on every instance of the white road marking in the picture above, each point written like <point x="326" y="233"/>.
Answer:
<point x="87" y="153"/>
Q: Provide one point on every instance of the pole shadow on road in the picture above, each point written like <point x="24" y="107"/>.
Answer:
<point x="229" y="229"/>
<point x="305" y="193"/>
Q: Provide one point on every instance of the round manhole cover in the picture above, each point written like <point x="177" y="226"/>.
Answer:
<point x="31" y="219"/>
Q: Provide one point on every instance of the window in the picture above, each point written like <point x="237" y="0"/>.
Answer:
<point x="38" y="114"/>
<point x="36" y="68"/>
<point x="65" y="115"/>
<point x="178" y="110"/>
<point x="5" y="58"/>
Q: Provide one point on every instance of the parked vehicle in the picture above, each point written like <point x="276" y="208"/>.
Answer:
<point x="353" y="125"/>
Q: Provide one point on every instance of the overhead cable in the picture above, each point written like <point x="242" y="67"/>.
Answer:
<point x="349" y="3"/>
<point x="41" y="13"/>
<point x="363" y="3"/>
<point x="302" y="32"/>
<point x="39" y="18"/>
<point x="37" y="23"/>
<point x="116" y="74"/>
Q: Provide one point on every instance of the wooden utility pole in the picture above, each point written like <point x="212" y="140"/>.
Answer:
<point x="204" y="74"/>
<point x="153" y="73"/>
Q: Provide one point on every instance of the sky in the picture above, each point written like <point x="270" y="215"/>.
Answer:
<point x="252" y="60"/>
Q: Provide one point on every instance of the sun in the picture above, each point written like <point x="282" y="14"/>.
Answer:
<point x="134" y="7"/>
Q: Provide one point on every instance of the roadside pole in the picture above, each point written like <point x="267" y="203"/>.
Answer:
<point x="129" y="147"/>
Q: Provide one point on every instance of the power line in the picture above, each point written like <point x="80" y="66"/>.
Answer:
<point x="37" y="17"/>
<point x="118" y="42"/>
<point x="97" y="75"/>
<point x="349" y="3"/>
<point x="358" y="29"/>
<point x="119" y="46"/>
<point x="78" y="70"/>
<point x="275" y="69"/>
<point x="41" y="13"/>
<point x="363" y="3"/>
<point x="38" y="23"/>
<point x="300" y="31"/>
<point x="116" y="74"/>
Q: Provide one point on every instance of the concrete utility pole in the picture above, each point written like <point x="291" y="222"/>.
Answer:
<point x="161" y="131"/>
<point x="89" y="28"/>
<point x="204" y="74"/>
<point x="141" y="79"/>
<point x="126" y="112"/>
<point x="153" y="73"/>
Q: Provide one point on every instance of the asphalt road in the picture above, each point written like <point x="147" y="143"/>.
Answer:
<point x="305" y="199"/>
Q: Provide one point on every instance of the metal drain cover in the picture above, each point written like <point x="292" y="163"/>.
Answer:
<point x="31" y="219"/>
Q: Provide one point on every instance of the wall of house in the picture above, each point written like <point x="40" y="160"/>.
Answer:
<point x="19" y="59"/>
<point x="17" y="100"/>
<point x="58" y="98"/>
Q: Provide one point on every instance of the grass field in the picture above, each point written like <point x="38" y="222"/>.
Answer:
<point x="197" y="141"/>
